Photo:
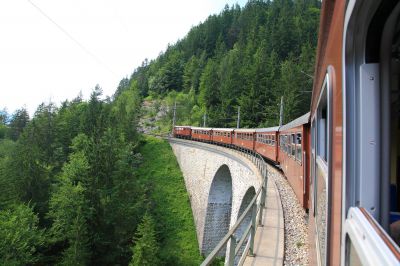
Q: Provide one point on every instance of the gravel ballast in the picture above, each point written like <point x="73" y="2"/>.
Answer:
<point x="296" y="236"/>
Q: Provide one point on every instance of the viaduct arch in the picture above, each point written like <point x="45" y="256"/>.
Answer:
<point x="220" y="183"/>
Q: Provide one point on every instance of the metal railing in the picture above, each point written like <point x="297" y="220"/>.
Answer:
<point x="256" y="207"/>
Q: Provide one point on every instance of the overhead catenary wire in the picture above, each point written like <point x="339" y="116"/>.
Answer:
<point x="72" y="38"/>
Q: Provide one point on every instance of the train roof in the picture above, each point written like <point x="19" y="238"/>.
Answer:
<point x="249" y="130"/>
<point x="304" y="119"/>
<point x="201" y="128"/>
<point x="267" y="129"/>
<point x="184" y="126"/>
<point x="223" y="129"/>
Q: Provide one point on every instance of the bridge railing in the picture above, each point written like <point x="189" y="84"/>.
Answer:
<point x="255" y="207"/>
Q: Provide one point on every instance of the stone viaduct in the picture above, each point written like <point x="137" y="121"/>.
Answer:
<point x="220" y="183"/>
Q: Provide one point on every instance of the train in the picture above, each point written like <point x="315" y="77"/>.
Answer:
<point x="343" y="157"/>
<point x="291" y="155"/>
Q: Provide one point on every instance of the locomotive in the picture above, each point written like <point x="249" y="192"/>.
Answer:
<point x="342" y="159"/>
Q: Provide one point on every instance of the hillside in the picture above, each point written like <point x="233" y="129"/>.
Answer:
<point x="160" y="173"/>
<point x="247" y="57"/>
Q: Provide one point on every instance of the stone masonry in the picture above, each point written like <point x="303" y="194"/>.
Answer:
<point x="217" y="180"/>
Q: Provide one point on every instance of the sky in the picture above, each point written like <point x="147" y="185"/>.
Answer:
<point x="53" y="50"/>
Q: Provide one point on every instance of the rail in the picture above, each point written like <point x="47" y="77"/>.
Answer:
<point x="256" y="207"/>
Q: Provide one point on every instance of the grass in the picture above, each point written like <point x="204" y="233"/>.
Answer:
<point x="161" y="174"/>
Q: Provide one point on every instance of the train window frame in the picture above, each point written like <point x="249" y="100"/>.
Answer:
<point x="321" y="159"/>
<point x="299" y="147"/>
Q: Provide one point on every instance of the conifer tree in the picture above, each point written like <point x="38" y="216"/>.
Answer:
<point x="145" y="249"/>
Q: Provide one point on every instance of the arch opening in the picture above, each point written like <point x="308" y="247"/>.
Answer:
<point x="218" y="212"/>
<point x="248" y="196"/>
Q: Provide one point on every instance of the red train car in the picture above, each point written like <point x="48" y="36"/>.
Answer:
<point x="266" y="143"/>
<point x="355" y="156"/>
<point x="222" y="135"/>
<point x="244" y="138"/>
<point x="201" y="133"/>
<point x="182" y="131"/>
<point x="293" y="156"/>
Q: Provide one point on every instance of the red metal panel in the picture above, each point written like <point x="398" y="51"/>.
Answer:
<point x="182" y="131"/>
<point x="294" y="169"/>
<point x="203" y="134"/>
<point x="329" y="54"/>
<point x="222" y="136"/>
<point x="242" y="142"/>
<point x="267" y="150"/>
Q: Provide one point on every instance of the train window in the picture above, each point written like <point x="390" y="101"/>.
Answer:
<point x="286" y="144"/>
<point x="287" y="141"/>
<point x="322" y="176"/>
<point x="283" y="143"/>
<point x="299" y="152"/>
<point x="322" y="132"/>
<point x="293" y="145"/>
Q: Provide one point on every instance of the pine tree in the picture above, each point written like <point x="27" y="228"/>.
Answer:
<point x="18" y="122"/>
<point x="20" y="236"/>
<point x="69" y="211"/>
<point x="145" y="249"/>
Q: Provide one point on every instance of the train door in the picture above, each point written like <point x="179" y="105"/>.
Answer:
<point x="371" y="209"/>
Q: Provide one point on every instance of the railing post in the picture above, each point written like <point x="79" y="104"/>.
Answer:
<point x="231" y="255"/>
<point x="262" y="200"/>
<point x="253" y="229"/>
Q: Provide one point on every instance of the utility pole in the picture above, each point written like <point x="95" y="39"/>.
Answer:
<point x="281" y="113"/>
<point x="238" y="118"/>
<point x="204" y="119"/>
<point x="174" y="118"/>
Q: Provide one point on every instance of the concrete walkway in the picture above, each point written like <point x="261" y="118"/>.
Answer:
<point x="269" y="240"/>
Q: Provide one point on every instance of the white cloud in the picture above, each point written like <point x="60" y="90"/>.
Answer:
<point x="39" y="62"/>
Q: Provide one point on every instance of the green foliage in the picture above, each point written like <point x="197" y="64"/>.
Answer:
<point x="19" y="120"/>
<point x="9" y="186"/>
<point x="248" y="57"/>
<point x="69" y="211"/>
<point x="75" y="165"/>
<point x="169" y="204"/>
<point x="20" y="236"/>
<point x="4" y="131"/>
<point x="145" y="250"/>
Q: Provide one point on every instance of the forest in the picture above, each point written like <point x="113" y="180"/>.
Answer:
<point x="76" y="183"/>
<point x="248" y="57"/>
